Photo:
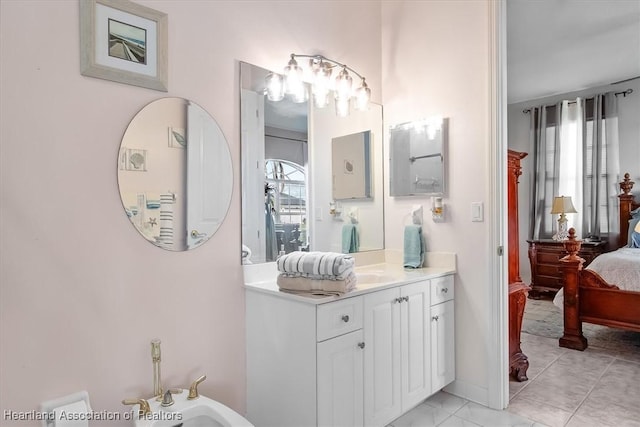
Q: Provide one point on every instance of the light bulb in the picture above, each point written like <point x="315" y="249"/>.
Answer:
<point x="293" y="78"/>
<point x="274" y="87"/>
<point x="343" y="84"/>
<point x="342" y="106"/>
<point x="321" y="84"/>
<point x="363" y="95"/>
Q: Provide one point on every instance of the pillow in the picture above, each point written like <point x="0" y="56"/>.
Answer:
<point x="635" y="236"/>
<point x="634" y="223"/>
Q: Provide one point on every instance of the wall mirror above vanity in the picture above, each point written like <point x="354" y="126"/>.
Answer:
<point x="175" y="174"/>
<point x="289" y="201"/>
<point x="418" y="156"/>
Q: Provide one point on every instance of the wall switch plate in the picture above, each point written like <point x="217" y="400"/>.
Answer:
<point x="477" y="212"/>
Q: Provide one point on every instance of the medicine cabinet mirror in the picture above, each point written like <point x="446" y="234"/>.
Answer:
<point x="417" y="157"/>
<point x="175" y="174"/>
<point x="288" y="200"/>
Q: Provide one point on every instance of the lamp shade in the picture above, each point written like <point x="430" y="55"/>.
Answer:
<point x="562" y="205"/>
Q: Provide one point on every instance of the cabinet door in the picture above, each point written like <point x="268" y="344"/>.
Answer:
<point x="382" y="361"/>
<point x="442" y="345"/>
<point x="340" y="381"/>
<point x="415" y="343"/>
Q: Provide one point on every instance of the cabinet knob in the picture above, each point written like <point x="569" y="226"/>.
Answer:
<point x="397" y="300"/>
<point x="435" y="318"/>
<point x="345" y="318"/>
<point x="361" y="344"/>
<point x="445" y="290"/>
<point x="405" y="299"/>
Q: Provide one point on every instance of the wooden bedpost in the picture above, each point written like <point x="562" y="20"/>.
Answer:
<point x="626" y="206"/>
<point x="571" y="266"/>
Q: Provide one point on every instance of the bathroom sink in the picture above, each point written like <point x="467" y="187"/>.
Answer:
<point x="199" y="412"/>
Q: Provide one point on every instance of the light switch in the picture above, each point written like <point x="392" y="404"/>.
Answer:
<point x="477" y="212"/>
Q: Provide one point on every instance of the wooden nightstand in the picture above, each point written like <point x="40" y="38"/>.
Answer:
<point x="544" y="256"/>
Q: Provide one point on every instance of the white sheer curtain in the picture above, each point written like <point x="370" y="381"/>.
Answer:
<point x="575" y="153"/>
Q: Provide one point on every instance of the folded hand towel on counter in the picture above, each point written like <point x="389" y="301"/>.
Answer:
<point x="350" y="240"/>
<point x="413" y="247"/>
<point x="303" y="284"/>
<point x="317" y="263"/>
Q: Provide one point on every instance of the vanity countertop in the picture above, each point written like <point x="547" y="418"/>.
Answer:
<point x="373" y="277"/>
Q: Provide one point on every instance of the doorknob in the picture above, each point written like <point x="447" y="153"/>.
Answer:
<point x="196" y="235"/>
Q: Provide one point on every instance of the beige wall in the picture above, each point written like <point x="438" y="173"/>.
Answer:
<point x="82" y="294"/>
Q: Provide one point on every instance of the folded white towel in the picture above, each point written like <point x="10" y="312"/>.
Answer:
<point x="303" y="284"/>
<point x="320" y="265"/>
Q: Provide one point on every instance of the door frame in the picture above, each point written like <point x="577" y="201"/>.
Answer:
<point x="498" y="345"/>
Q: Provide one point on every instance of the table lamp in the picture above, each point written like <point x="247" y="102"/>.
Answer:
<point x="562" y="205"/>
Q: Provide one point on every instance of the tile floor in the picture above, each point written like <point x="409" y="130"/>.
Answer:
<point x="594" y="388"/>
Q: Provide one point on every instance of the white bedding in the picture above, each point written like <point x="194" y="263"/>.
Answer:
<point x="620" y="268"/>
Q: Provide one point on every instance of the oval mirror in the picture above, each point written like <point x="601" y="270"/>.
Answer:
<point x="175" y="174"/>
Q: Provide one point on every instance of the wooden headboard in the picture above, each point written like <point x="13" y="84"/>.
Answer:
<point x="627" y="204"/>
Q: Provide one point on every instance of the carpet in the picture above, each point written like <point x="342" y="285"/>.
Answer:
<point x="544" y="319"/>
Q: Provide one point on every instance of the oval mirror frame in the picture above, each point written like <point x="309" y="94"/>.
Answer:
<point x="175" y="174"/>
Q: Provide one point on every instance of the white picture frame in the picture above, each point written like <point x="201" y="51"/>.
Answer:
<point x="124" y="42"/>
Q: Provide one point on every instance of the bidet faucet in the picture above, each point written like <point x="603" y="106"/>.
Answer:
<point x="156" y="359"/>
<point x="167" y="400"/>
<point x="144" y="406"/>
<point x="193" y="390"/>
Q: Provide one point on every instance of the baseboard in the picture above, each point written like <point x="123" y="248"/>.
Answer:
<point x="472" y="392"/>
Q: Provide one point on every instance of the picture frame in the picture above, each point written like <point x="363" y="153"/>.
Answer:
<point x="124" y="42"/>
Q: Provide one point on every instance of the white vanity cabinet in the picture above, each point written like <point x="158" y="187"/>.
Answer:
<point x="442" y="333"/>
<point x="340" y="363"/>
<point x="398" y="354"/>
<point x="360" y="360"/>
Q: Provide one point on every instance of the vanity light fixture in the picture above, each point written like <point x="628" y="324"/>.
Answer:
<point x="291" y="84"/>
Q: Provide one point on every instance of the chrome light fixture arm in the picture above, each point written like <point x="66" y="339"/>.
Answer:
<point x="317" y="59"/>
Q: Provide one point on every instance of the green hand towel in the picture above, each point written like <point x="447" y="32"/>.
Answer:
<point x="413" y="247"/>
<point x="350" y="243"/>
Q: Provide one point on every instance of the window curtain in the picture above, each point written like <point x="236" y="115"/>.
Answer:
<point x="575" y="153"/>
<point x="601" y="158"/>
<point x="544" y="138"/>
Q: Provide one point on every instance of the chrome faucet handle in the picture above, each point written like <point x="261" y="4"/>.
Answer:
<point x="167" y="399"/>
<point x="193" y="390"/>
<point x="160" y="397"/>
<point x="144" y="406"/>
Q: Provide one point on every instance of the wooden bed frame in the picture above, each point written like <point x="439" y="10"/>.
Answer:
<point x="587" y="296"/>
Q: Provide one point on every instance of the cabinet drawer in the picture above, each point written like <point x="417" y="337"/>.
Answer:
<point x="549" y="257"/>
<point x="549" y="270"/>
<point x="340" y="317"/>
<point x="441" y="289"/>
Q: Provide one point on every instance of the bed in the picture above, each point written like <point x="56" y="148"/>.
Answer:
<point x="588" y="296"/>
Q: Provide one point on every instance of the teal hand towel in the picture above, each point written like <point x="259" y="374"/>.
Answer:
<point x="350" y="243"/>
<point x="413" y="247"/>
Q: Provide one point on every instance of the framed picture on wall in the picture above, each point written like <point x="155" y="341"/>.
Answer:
<point x="123" y="42"/>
